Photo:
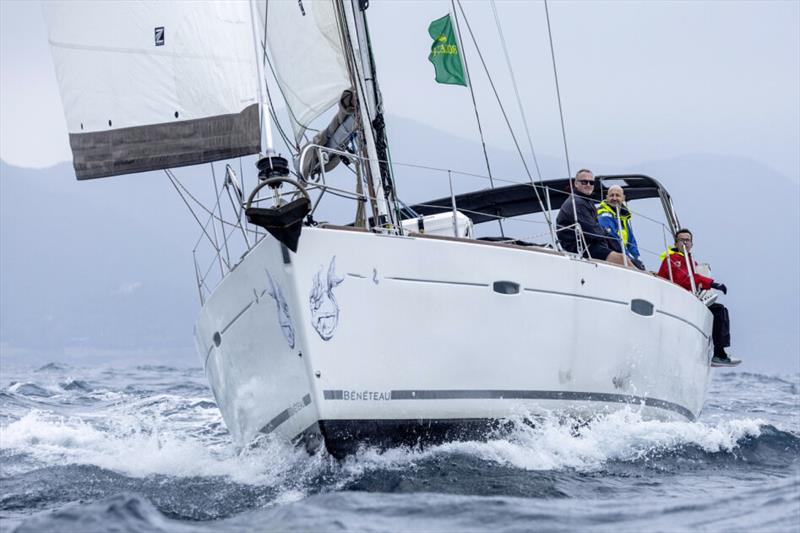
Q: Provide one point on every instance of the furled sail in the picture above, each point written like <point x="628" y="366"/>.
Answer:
<point x="149" y="85"/>
<point x="308" y="57"/>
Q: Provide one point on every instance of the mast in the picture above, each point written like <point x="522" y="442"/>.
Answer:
<point x="368" y="96"/>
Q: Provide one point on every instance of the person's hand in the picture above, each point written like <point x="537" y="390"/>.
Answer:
<point x="720" y="287"/>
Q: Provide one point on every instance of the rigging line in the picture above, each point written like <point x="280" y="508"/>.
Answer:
<point x="521" y="108"/>
<point x="502" y="109"/>
<point x="472" y="95"/>
<point x="195" y="200"/>
<point x="470" y="174"/>
<point x="216" y="239"/>
<point x="496" y="94"/>
<point x="219" y="208"/>
<point x="563" y="129"/>
<point x="516" y="89"/>
<point x="244" y="188"/>
<point x="558" y="90"/>
<point x="171" y="179"/>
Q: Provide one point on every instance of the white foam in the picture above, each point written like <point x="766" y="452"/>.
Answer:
<point x="553" y="444"/>
<point x="144" y="442"/>
<point x="140" y="448"/>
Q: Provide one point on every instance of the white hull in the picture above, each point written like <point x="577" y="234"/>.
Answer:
<point x="418" y="338"/>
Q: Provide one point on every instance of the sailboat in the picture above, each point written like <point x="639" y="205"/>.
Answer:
<point x="399" y="326"/>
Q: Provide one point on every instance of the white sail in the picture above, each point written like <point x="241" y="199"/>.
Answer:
<point x="149" y="85"/>
<point x="307" y="55"/>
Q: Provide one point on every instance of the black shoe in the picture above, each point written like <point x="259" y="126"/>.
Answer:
<point x="724" y="361"/>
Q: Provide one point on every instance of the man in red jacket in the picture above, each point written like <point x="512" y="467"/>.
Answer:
<point x="675" y="265"/>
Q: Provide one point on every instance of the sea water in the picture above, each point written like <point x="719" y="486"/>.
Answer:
<point x="145" y="449"/>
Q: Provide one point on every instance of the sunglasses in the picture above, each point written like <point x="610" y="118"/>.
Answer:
<point x="586" y="182"/>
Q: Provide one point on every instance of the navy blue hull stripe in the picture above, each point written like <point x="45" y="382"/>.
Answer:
<point x="439" y="281"/>
<point x="285" y="415"/>
<point x="518" y="395"/>
<point x="676" y="317"/>
<point x="575" y="295"/>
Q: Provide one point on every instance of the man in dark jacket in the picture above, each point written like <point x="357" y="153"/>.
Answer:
<point x="579" y="208"/>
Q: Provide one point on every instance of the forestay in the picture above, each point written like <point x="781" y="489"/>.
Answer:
<point x="308" y="57"/>
<point x="149" y="85"/>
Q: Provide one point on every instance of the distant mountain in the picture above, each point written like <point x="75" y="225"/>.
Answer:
<point x="103" y="271"/>
<point x="88" y="269"/>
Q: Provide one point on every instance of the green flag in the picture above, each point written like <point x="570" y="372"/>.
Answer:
<point x="444" y="52"/>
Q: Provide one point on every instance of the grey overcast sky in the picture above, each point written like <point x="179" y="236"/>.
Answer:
<point x="639" y="80"/>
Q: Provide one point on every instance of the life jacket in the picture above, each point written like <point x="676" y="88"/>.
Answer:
<point x="624" y="219"/>
<point x="672" y="251"/>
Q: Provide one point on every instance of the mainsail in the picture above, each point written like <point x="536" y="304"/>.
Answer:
<point x="308" y="57"/>
<point x="149" y="85"/>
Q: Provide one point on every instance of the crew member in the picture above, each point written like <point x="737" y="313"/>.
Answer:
<point x="675" y="265"/>
<point x="579" y="209"/>
<point x="615" y="218"/>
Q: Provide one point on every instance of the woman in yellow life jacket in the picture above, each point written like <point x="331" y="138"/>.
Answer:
<point x="615" y="218"/>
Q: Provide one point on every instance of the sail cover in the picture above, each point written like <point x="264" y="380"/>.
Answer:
<point x="149" y="85"/>
<point x="307" y="55"/>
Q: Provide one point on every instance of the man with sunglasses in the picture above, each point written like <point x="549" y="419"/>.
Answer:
<point x="675" y="265"/>
<point x="580" y="209"/>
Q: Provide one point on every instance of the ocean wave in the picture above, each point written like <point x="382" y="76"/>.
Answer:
<point x="556" y="444"/>
<point x="144" y="444"/>
<point x="157" y="368"/>
<point x="30" y="389"/>
<point x="122" y="512"/>
<point x="53" y="367"/>
<point x="75" y="385"/>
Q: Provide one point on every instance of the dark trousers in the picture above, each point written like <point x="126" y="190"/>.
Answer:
<point x="721" y="331"/>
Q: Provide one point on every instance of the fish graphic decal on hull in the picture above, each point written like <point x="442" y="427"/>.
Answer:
<point x="284" y="318"/>
<point x="324" y="307"/>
